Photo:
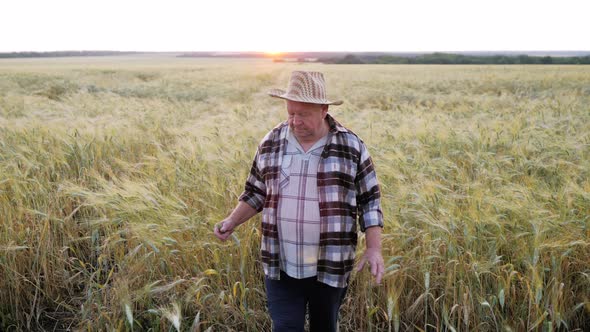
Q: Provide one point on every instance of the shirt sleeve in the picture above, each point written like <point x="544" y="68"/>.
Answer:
<point x="254" y="193"/>
<point x="368" y="197"/>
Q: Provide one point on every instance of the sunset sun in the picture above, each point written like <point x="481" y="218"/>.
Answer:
<point x="273" y="53"/>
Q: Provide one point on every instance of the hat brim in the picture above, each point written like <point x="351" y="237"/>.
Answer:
<point x="278" y="93"/>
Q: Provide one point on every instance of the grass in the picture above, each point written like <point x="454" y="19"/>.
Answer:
<point x="113" y="172"/>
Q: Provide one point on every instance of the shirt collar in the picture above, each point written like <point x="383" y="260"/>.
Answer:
<point x="335" y="126"/>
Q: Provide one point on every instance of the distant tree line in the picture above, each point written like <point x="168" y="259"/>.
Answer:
<point x="61" y="54"/>
<point x="458" y="59"/>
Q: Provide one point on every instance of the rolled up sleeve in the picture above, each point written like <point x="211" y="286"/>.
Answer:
<point x="368" y="192"/>
<point x="254" y="193"/>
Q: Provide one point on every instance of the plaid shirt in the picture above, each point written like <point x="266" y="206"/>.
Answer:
<point x="347" y="188"/>
<point x="298" y="216"/>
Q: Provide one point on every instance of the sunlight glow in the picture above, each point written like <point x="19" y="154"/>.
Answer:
<point x="273" y="53"/>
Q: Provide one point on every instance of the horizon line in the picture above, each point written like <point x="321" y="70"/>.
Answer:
<point x="283" y="52"/>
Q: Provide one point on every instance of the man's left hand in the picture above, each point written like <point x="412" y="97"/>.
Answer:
<point x="373" y="257"/>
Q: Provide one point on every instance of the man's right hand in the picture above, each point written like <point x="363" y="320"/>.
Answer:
<point x="239" y="215"/>
<point x="224" y="229"/>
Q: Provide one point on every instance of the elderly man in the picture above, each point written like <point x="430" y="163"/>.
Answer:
<point x="312" y="179"/>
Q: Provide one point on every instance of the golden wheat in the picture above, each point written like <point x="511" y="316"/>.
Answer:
<point x="114" y="170"/>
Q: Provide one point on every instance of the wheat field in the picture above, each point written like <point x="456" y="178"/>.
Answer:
<point x="114" y="170"/>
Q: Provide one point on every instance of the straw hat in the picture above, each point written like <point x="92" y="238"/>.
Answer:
<point x="306" y="87"/>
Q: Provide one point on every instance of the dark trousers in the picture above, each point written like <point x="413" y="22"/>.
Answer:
<point x="288" y="298"/>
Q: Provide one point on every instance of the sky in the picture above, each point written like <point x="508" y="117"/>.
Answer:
<point x="295" y="25"/>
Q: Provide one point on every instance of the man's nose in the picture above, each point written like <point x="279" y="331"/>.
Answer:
<point x="297" y="120"/>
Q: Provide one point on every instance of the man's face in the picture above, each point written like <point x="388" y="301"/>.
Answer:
<point x="306" y="120"/>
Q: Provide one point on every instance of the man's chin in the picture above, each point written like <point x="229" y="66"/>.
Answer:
<point x="301" y="132"/>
